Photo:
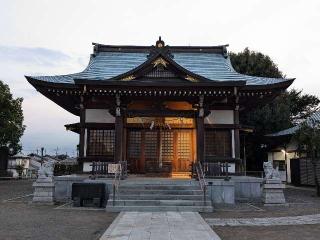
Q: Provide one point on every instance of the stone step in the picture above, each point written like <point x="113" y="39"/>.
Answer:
<point x="159" y="197"/>
<point x="160" y="208"/>
<point x="159" y="192"/>
<point x="159" y="187"/>
<point x="160" y="181"/>
<point x="181" y="175"/>
<point x="157" y="203"/>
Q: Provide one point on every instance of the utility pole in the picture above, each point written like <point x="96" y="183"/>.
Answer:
<point x="41" y="155"/>
<point x="57" y="149"/>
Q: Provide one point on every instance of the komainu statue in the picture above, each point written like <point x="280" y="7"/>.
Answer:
<point x="270" y="172"/>
<point x="46" y="170"/>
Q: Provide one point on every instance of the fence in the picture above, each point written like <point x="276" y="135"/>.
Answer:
<point x="221" y="169"/>
<point x="108" y="169"/>
<point x="302" y="171"/>
<point x="62" y="169"/>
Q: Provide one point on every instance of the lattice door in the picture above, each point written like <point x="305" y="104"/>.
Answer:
<point x="134" y="151"/>
<point x="184" y="150"/>
<point x="151" y="151"/>
<point x="166" y="150"/>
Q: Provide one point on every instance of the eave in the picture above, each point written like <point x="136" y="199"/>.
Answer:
<point x="69" y="100"/>
<point x="281" y="85"/>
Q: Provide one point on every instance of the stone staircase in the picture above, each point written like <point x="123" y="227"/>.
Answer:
<point x="161" y="195"/>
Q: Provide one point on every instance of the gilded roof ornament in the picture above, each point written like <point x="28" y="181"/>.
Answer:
<point x="191" y="79"/>
<point x="128" y="78"/>
<point x="160" y="61"/>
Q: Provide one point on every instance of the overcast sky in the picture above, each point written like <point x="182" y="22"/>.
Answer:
<point x="54" y="37"/>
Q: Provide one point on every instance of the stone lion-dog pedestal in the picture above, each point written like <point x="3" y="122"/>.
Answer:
<point x="44" y="186"/>
<point x="273" y="187"/>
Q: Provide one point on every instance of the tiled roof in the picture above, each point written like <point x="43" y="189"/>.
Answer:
<point x="102" y="66"/>
<point x="106" y="65"/>
<point x="290" y="131"/>
<point x="217" y="68"/>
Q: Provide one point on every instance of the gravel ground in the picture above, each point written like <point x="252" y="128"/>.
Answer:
<point x="301" y="202"/>
<point x="301" y="232"/>
<point x="21" y="220"/>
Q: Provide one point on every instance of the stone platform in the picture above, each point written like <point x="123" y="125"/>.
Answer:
<point x="159" y="226"/>
<point x="139" y="187"/>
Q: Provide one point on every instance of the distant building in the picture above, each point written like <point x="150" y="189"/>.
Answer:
<point x="159" y="107"/>
<point x="285" y="150"/>
<point x="69" y="161"/>
<point x="19" y="160"/>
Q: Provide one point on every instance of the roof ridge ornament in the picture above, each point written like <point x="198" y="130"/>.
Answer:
<point x="160" y="43"/>
<point x="161" y="48"/>
<point x="225" y="51"/>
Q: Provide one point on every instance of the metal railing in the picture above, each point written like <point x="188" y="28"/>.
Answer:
<point x="108" y="169"/>
<point x="221" y="168"/>
<point x="116" y="183"/>
<point x="202" y="180"/>
<point x="216" y="169"/>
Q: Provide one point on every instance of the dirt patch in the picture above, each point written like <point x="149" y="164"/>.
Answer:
<point x="305" y="232"/>
<point x="22" y="220"/>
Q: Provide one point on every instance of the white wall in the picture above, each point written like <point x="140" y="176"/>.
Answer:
<point x="220" y="117"/>
<point x="233" y="144"/>
<point x="85" y="142"/>
<point x="87" y="167"/>
<point x="99" y="116"/>
<point x="281" y="155"/>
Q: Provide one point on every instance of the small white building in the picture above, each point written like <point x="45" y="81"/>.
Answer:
<point x="19" y="160"/>
<point x="281" y="157"/>
<point x="287" y="149"/>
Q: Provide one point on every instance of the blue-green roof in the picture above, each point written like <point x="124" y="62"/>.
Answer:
<point x="106" y="65"/>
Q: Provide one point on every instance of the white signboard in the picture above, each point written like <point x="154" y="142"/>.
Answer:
<point x="113" y="167"/>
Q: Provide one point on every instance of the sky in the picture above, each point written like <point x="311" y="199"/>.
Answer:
<point x="41" y="37"/>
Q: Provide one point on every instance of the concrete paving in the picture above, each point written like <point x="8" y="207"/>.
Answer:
<point x="159" y="226"/>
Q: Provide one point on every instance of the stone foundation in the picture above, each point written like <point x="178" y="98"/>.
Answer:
<point x="273" y="193"/>
<point x="43" y="192"/>
<point x="220" y="191"/>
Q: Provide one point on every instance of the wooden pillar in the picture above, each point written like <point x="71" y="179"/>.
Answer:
<point x="200" y="138"/>
<point x="200" y="131"/>
<point x="119" y="124"/>
<point x="118" y="151"/>
<point x="82" y="128"/>
<point x="236" y="133"/>
<point x="236" y="130"/>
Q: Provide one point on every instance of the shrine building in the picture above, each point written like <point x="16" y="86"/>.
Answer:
<point x="159" y="108"/>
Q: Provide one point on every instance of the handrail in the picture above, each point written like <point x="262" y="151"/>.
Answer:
<point x="116" y="182"/>
<point x="202" y="181"/>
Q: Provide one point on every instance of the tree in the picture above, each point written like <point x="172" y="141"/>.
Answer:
<point x="308" y="139"/>
<point x="11" y="120"/>
<point x="283" y="112"/>
<point x="255" y="64"/>
<point x="301" y="105"/>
